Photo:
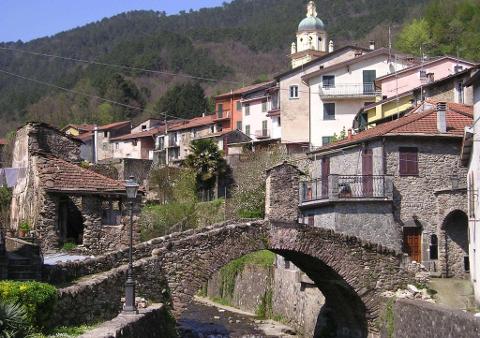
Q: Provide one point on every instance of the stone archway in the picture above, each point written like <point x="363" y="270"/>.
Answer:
<point x="454" y="235"/>
<point x="350" y="273"/>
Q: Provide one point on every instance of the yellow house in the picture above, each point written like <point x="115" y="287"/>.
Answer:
<point x="77" y="129"/>
<point x="387" y="109"/>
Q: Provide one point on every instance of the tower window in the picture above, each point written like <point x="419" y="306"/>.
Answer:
<point x="319" y="39"/>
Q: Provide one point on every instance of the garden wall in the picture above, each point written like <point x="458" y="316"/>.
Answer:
<point x="425" y="320"/>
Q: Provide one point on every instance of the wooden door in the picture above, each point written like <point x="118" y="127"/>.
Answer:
<point x="325" y="174"/>
<point x="412" y="243"/>
<point x="367" y="172"/>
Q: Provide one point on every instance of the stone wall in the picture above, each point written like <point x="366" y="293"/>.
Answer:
<point x="152" y="322"/>
<point x="251" y="285"/>
<point x="425" y="320"/>
<point x="296" y="299"/>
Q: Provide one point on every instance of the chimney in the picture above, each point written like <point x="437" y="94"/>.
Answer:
<point x="372" y="45"/>
<point x="442" y="117"/>
<point x="330" y="46"/>
<point x="349" y="135"/>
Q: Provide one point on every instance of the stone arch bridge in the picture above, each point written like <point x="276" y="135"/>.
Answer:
<point x="351" y="273"/>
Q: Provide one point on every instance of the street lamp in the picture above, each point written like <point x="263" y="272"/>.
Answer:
<point x="131" y="186"/>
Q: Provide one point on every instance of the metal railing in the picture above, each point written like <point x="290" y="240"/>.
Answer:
<point x="349" y="90"/>
<point x="226" y="114"/>
<point x="340" y="187"/>
<point x="264" y="133"/>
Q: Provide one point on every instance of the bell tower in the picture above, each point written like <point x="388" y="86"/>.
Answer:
<point x="312" y="38"/>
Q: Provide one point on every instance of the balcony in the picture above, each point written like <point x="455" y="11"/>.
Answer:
<point x="346" y="188"/>
<point x="262" y="134"/>
<point x="349" y="90"/>
<point x="223" y="115"/>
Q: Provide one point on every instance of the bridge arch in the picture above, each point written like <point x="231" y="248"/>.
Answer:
<point x="350" y="273"/>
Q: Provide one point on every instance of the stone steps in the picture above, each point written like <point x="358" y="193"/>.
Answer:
<point x="21" y="268"/>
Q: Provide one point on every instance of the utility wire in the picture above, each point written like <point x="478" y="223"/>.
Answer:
<point x="86" y="94"/>
<point x="93" y="62"/>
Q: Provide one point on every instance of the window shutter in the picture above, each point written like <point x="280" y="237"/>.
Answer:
<point x="408" y="161"/>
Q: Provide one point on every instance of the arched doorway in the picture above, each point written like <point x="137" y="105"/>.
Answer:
<point x="455" y="229"/>
<point x="70" y="222"/>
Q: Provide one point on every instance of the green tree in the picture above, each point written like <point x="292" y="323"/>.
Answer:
<point x="105" y="114"/>
<point x="185" y="100"/>
<point x="207" y="161"/>
<point x="414" y="36"/>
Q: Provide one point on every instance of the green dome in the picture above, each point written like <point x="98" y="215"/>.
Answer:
<point x="310" y="24"/>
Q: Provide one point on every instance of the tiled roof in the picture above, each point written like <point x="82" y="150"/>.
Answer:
<point x="62" y="176"/>
<point x="195" y="122"/>
<point x="114" y="125"/>
<point x="419" y="123"/>
<point x="242" y="90"/>
<point x="143" y="134"/>
<point x="80" y="127"/>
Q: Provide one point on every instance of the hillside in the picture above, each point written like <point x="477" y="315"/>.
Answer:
<point x="240" y="41"/>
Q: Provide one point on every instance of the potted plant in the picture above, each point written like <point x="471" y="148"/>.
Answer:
<point x="23" y="229"/>
<point x="345" y="190"/>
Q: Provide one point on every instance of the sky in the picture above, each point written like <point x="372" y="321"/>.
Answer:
<point x="29" y="19"/>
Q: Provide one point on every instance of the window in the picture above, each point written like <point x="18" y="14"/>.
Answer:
<point x="220" y="108"/>
<point x="247" y="130"/>
<point x="134" y="142"/>
<point x="247" y="109"/>
<point x="144" y="127"/>
<point x="239" y="125"/>
<point x="105" y="134"/>
<point x="329" y="111"/>
<point x="117" y="145"/>
<point x="433" y="246"/>
<point x="328" y="81"/>
<point x="423" y="74"/>
<point x="408" y="161"/>
<point x="264" y="106"/>
<point x="239" y="105"/>
<point x="279" y="122"/>
<point x="327" y="140"/>
<point x="294" y="92"/>
<point x="264" y="128"/>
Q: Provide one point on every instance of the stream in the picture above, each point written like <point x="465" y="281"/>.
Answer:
<point x="205" y="319"/>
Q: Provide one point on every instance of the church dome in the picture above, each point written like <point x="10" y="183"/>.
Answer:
<point x="311" y="23"/>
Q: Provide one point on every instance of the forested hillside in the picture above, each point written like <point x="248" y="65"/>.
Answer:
<point x="238" y="42"/>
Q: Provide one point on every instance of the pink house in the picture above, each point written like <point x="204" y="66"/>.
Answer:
<point x="409" y="78"/>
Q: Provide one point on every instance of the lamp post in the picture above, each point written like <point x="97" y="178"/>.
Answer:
<point x="131" y="186"/>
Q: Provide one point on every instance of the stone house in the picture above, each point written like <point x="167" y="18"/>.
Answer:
<point x="62" y="201"/>
<point x="398" y="183"/>
<point x="471" y="159"/>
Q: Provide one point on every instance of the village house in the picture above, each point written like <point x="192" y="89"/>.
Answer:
<point x="62" y="201"/>
<point x="339" y="91"/>
<point x="470" y="157"/>
<point x="256" y="121"/>
<point x="408" y="169"/>
<point x="440" y="79"/>
<point x="137" y="144"/>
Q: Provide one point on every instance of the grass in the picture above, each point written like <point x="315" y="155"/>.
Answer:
<point x="65" y="331"/>
<point x="69" y="246"/>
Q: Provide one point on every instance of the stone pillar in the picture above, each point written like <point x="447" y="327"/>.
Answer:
<point x="282" y="193"/>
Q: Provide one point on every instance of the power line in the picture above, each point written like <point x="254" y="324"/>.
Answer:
<point x="87" y="95"/>
<point x="93" y="62"/>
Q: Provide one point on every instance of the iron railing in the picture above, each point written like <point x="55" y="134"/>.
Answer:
<point x="349" y="90"/>
<point x="339" y="187"/>
<point x="264" y="133"/>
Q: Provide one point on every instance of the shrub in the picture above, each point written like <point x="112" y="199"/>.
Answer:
<point x="69" y="246"/>
<point x="37" y="298"/>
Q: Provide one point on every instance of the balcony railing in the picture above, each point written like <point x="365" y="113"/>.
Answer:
<point x="264" y="133"/>
<point x="344" y="187"/>
<point x="349" y="90"/>
<point x="223" y="115"/>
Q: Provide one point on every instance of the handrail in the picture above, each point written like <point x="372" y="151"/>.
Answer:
<point x="341" y="187"/>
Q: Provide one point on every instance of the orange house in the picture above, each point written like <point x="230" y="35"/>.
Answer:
<point x="228" y="108"/>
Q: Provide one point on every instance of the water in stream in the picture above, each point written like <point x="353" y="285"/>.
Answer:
<point x="205" y="320"/>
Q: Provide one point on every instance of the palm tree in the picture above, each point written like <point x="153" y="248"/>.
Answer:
<point x="207" y="161"/>
<point x="13" y="321"/>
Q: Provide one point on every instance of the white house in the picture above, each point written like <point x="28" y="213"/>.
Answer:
<point x="257" y="122"/>
<point x="339" y="91"/>
<point x="471" y="157"/>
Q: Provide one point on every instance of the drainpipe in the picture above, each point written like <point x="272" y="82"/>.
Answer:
<point x="95" y="144"/>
